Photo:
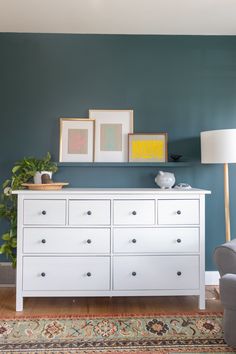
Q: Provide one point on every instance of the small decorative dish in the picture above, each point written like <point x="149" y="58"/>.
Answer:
<point x="175" y="157"/>
<point x="45" y="187"/>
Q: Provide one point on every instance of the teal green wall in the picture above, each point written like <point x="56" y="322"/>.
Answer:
<point x="176" y="84"/>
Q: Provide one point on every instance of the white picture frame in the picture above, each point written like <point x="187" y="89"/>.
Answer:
<point x="76" y="140"/>
<point x="111" y="134"/>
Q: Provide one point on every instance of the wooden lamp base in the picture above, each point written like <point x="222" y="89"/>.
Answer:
<point x="227" y="209"/>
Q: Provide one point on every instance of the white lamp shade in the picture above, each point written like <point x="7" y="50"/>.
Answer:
<point x="218" y="146"/>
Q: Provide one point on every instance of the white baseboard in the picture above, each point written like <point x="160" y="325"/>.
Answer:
<point x="212" y="278"/>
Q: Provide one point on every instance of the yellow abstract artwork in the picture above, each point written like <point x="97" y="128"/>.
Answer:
<point x="148" y="149"/>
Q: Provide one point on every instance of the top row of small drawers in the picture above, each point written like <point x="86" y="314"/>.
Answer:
<point x="98" y="212"/>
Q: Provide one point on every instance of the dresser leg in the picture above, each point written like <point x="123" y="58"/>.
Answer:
<point x="202" y="302"/>
<point x="19" y="303"/>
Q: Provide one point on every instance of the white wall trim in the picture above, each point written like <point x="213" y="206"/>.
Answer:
<point x="212" y="277"/>
<point x="7" y="285"/>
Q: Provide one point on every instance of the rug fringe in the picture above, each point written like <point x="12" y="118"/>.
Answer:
<point x="121" y="315"/>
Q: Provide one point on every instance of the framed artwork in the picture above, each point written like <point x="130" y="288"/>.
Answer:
<point x="76" y="140"/>
<point x="111" y="134"/>
<point x="148" y="147"/>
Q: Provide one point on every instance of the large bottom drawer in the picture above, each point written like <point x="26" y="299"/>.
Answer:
<point x="66" y="273"/>
<point x="156" y="272"/>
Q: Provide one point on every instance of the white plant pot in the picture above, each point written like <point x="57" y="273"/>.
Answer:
<point x="38" y="176"/>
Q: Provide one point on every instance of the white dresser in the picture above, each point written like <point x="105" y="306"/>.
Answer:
<point x="111" y="242"/>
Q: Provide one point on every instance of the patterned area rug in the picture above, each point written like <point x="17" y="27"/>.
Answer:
<point x="164" y="333"/>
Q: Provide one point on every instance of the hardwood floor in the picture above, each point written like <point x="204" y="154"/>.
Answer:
<point x="93" y="306"/>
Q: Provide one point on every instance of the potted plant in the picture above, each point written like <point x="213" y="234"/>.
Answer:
<point x="43" y="166"/>
<point x="22" y="172"/>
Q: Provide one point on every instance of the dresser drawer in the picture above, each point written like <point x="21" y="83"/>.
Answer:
<point x="178" y="212"/>
<point x="156" y="272"/>
<point x="138" y="240"/>
<point x="134" y="212"/>
<point x="89" y="212"/>
<point x="61" y="240"/>
<point x="44" y="212"/>
<point x="66" y="273"/>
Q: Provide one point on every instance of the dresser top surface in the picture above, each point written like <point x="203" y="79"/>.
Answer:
<point x="115" y="191"/>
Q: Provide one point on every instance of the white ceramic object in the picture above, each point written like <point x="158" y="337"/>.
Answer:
<point x="38" y="176"/>
<point x="182" y="186"/>
<point x="165" y="180"/>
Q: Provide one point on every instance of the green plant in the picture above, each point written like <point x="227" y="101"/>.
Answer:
<point x="32" y="164"/>
<point x="22" y="172"/>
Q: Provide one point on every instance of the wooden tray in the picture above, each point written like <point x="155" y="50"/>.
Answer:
<point x="45" y="187"/>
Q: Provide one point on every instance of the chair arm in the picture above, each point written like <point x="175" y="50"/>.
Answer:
<point x="225" y="258"/>
<point x="228" y="291"/>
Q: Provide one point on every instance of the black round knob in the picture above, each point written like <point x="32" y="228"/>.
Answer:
<point x="89" y="274"/>
<point x="43" y="274"/>
<point x="134" y="212"/>
<point x="134" y="240"/>
<point x="89" y="241"/>
<point x="179" y="240"/>
<point x="134" y="274"/>
<point x="43" y="240"/>
<point x="178" y="212"/>
<point x="44" y="212"/>
<point x="89" y="212"/>
<point x="179" y="274"/>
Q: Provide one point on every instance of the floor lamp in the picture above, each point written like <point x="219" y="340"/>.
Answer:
<point x="219" y="146"/>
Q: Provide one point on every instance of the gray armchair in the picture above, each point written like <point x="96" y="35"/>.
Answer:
<point x="225" y="259"/>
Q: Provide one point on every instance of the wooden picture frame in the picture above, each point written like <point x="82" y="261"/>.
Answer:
<point x="76" y="140"/>
<point x="111" y="134"/>
<point x="148" y="147"/>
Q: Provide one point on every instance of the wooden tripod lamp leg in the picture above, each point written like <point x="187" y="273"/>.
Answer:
<point x="227" y="210"/>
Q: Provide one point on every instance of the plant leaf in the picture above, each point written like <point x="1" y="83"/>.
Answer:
<point x="6" y="183"/>
<point x="6" y="236"/>
<point x="16" y="168"/>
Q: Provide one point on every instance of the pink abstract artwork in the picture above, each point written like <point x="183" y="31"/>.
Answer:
<point x="77" y="141"/>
